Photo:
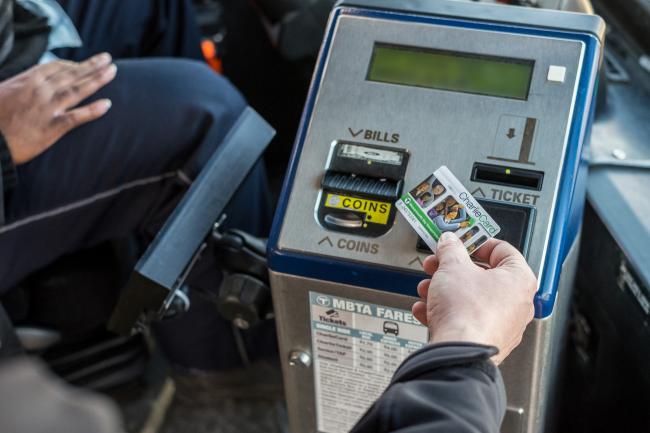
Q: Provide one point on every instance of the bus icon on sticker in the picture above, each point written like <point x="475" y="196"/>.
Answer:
<point x="391" y="328"/>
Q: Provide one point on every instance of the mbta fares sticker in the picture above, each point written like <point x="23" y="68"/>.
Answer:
<point x="357" y="346"/>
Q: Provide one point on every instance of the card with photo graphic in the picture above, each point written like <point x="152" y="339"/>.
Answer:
<point x="440" y="203"/>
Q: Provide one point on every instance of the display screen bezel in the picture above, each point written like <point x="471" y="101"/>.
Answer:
<point x="460" y="54"/>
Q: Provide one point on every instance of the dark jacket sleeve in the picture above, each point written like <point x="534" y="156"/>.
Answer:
<point x="7" y="176"/>
<point x="450" y="388"/>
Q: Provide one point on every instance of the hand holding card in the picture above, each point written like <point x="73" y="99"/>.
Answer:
<point x="439" y="204"/>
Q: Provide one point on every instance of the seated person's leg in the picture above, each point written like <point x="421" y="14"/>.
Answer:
<point x="133" y="28"/>
<point x="122" y="172"/>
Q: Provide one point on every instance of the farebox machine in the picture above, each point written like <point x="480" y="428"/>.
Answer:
<point x="501" y="95"/>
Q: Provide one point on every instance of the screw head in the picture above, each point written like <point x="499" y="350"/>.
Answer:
<point x="619" y="154"/>
<point x="299" y="358"/>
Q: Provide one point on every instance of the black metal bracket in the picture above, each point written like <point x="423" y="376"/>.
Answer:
<point x="161" y="270"/>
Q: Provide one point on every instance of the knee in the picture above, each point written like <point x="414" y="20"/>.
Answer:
<point x="200" y="105"/>
<point x="204" y="93"/>
<point x="211" y="92"/>
<point x="175" y="88"/>
<point x="170" y="108"/>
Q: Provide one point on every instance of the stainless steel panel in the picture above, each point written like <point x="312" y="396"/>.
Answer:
<point x="291" y="305"/>
<point x="437" y="127"/>
<point x="529" y="372"/>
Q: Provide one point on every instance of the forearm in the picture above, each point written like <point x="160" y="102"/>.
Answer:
<point x="451" y="387"/>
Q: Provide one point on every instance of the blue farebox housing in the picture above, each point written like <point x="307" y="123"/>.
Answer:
<point x="504" y="96"/>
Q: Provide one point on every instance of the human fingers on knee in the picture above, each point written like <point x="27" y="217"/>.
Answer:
<point x="74" y="72"/>
<point x="78" y="91"/>
<point x="41" y="73"/>
<point x="78" y="116"/>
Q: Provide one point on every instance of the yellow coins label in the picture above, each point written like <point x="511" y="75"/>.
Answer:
<point x="376" y="211"/>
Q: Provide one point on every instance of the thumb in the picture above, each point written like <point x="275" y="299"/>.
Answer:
<point x="451" y="251"/>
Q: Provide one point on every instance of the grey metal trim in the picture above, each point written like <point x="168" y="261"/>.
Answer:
<point x="516" y="15"/>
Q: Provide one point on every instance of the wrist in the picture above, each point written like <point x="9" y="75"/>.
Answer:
<point x="459" y="332"/>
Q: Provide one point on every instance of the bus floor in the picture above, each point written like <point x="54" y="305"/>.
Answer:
<point x="246" y="400"/>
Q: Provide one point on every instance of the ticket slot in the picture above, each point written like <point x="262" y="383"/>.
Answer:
<point x="507" y="176"/>
<point x="359" y="187"/>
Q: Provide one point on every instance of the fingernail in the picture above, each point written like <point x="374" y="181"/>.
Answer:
<point x="103" y="58"/>
<point x="107" y="103"/>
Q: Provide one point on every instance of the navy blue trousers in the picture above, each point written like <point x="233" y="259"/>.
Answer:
<point x="125" y="172"/>
<point x="133" y="28"/>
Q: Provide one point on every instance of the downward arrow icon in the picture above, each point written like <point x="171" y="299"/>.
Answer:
<point x="354" y="134"/>
<point x="417" y="259"/>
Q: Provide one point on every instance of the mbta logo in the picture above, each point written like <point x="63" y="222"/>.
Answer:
<point x="323" y="301"/>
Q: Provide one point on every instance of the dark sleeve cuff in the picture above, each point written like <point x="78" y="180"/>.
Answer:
<point x="445" y="355"/>
<point x="447" y="387"/>
<point x="8" y="168"/>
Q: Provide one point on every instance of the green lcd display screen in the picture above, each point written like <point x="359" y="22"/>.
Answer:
<point x="449" y="70"/>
